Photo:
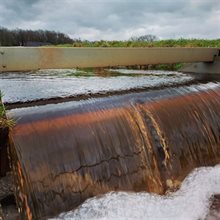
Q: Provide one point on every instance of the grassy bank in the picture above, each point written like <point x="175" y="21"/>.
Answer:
<point x="159" y="43"/>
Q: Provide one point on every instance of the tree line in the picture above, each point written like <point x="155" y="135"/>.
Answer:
<point x="19" y="37"/>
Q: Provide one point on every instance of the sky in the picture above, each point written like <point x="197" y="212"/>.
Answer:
<point x="115" y="19"/>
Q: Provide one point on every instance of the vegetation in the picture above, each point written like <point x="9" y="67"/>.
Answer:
<point x="168" y="67"/>
<point x="143" y="43"/>
<point x="20" y="37"/>
<point x="4" y="122"/>
<point x="148" y="38"/>
<point x="101" y="72"/>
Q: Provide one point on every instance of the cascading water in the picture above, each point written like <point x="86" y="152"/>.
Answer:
<point x="191" y="202"/>
<point x="148" y="141"/>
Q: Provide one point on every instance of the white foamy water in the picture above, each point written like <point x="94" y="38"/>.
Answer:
<point x="191" y="202"/>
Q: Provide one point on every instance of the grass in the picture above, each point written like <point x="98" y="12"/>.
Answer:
<point x="160" y="43"/>
<point x="4" y="122"/>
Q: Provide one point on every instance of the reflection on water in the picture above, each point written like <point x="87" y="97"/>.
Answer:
<point x="62" y="83"/>
<point x="191" y="202"/>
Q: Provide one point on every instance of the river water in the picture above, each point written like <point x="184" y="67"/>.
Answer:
<point x="44" y="84"/>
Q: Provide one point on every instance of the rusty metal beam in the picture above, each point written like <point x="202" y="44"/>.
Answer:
<point x="29" y="58"/>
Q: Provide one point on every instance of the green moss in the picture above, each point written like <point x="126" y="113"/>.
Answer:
<point x="82" y="72"/>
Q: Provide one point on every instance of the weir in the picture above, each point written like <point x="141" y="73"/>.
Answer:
<point x="61" y="154"/>
<point x="149" y="141"/>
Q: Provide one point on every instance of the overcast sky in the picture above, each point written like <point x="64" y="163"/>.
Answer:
<point x="115" y="19"/>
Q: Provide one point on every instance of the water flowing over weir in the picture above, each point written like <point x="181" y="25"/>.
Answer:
<point x="148" y="141"/>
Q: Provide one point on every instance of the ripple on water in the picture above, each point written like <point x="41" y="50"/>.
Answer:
<point x="44" y="84"/>
<point x="191" y="202"/>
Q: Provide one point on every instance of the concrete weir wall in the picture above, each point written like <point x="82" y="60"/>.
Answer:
<point x="148" y="141"/>
<point x="15" y="58"/>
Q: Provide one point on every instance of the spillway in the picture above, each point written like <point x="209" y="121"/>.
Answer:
<point x="64" y="153"/>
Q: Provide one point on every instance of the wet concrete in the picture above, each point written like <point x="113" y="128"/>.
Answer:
<point x="149" y="141"/>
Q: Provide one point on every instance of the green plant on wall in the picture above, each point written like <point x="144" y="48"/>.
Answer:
<point x="4" y="122"/>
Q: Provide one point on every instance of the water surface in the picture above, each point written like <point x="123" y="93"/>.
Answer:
<point x="44" y="84"/>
